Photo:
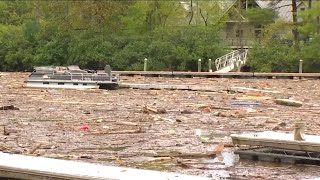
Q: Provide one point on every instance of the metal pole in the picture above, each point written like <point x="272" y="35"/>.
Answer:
<point x="210" y="65"/>
<point x="300" y="65"/>
<point x="145" y="64"/>
<point x="199" y="65"/>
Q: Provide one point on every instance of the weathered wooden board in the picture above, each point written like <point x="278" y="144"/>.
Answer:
<point x="278" y="140"/>
<point x="36" y="168"/>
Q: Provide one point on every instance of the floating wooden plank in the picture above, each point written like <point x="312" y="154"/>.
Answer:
<point x="278" y="140"/>
<point x="245" y="89"/>
<point x="36" y="168"/>
<point x="288" y="102"/>
<point x="173" y="87"/>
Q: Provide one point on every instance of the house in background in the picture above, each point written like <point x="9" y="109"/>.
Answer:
<point x="240" y="33"/>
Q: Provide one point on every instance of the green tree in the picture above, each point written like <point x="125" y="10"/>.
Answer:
<point x="262" y="17"/>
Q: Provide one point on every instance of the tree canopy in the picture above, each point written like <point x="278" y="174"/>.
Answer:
<point x="173" y="35"/>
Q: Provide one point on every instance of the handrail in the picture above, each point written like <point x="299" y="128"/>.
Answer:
<point x="231" y="60"/>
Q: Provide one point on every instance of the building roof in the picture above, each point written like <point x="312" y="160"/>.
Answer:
<point x="282" y="7"/>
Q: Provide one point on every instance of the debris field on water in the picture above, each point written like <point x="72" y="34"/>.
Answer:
<point x="167" y="130"/>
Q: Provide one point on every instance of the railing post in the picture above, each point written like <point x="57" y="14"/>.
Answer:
<point x="199" y="65"/>
<point x="300" y="65"/>
<point x="209" y="65"/>
<point x="145" y="64"/>
<point x="239" y="65"/>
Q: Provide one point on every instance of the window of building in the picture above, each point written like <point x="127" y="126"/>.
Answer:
<point x="257" y="33"/>
<point x="239" y="33"/>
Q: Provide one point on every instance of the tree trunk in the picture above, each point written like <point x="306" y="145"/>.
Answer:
<point x="191" y="12"/>
<point x="205" y="19"/>
<point x="310" y="4"/>
<point x="241" y="33"/>
<point x="295" y="31"/>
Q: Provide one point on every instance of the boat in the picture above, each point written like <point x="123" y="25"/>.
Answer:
<point x="72" y="77"/>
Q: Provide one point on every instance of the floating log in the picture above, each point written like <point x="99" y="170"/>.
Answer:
<point x="288" y="102"/>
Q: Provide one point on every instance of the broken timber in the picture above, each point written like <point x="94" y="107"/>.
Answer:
<point x="36" y="168"/>
<point x="173" y="87"/>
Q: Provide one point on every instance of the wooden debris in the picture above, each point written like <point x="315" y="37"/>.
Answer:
<point x="5" y="132"/>
<point x="237" y="114"/>
<point x="185" y="111"/>
<point x="271" y="121"/>
<point x="147" y="109"/>
<point x="185" y="155"/>
<point x="10" y="107"/>
<point x="222" y="108"/>
<point x="288" y="102"/>
<point x="118" y="132"/>
<point x="62" y="156"/>
<point x="253" y="93"/>
<point x="245" y="90"/>
<point x="167" y="119"/>
<point x="35" y="148"/>
<point x="257" y="98"/>
<point x="219" y="148"/>
<point x="205" y="109"/>
<point x="85" y="157"/>
<point x="2" y="148"/>
<point x="126" y="123"/>
<point x="160" y="159"/>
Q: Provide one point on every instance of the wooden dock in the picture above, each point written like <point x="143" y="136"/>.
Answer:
<point x="278" y="140"/>
<point x="240" y="75"/>
<point x="39" y="168"/>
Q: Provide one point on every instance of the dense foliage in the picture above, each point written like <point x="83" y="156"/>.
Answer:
<point x="277" y="51"/>
<point x="123" y="33"/>
<point x="95" y="33"/>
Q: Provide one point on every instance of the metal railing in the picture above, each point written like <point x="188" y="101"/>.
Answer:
<point x="231" y="60"/>
<point x="84" y="76"/>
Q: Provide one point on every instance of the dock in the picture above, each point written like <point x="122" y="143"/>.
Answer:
<point x="278" y="140"/>
<point x="239" y="75"/>
<point x="278" y="147"/>
<point x="39" y="168"/>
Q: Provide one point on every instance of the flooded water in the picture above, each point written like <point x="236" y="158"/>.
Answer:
<point x="225" y="159"/>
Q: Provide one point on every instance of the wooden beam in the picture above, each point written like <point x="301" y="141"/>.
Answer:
<point x="36" y="168"/>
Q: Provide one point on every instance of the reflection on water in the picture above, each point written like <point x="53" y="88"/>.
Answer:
<point x="229" y="158"/>
<point x="221" y="162"/>
<point x="226" y="158"/>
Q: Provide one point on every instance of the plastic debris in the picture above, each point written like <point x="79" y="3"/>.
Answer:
<point x="84" y="127"/>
